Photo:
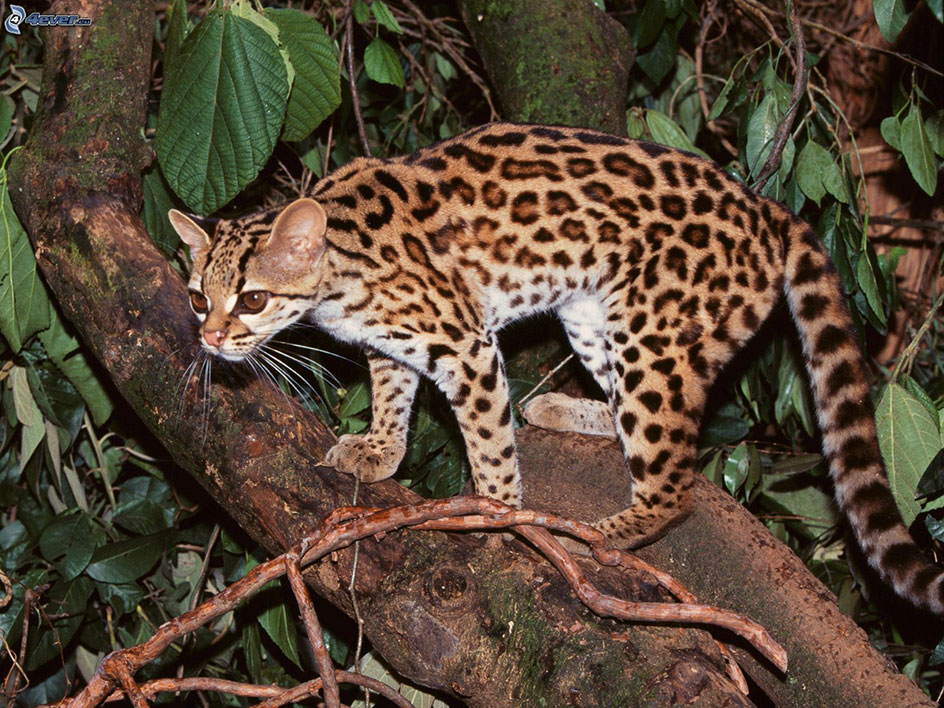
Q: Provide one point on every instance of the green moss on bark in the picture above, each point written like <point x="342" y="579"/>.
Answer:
<point x="555" y="62"/>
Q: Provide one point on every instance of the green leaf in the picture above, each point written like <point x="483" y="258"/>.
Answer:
<point x="809" y="172"/>
<point x="909" y="439"/>
<point x="221" y="110"/>
<point x="795" y="464"/>
<point x="934" y="127"/>
<point x="382" y="63"/>
<point x="891" y="17"/>
<point x="891" y="131"/>
<point x="717" y="108"/>
<point x="650" y="23"/>
<point x="383" y="15"/>
<point x="24" y="304"/>
<point x="122" y="598"/>
<point x="714" y="469"/>
<point x="760" y="132"/>
<point x="726" y="426"/>
<point x="932" y="480"/>
<point x="665" y="131"/>
<point x="7" y="108"/>
<point x="124" y="561"/>
<point x="73" y="538"/>
<point x="937" y="656"/>
<point x="869" y="285"/>
<point x="356" y="400"/>
<point x="27" y="413"/>
<point x="361" y="11"/>
<point x="372" y="665"/>
<point x="659" y="60"/>
<point x="798" y="495"/>
<point x="936" y="7"/>
<point x="70" y="598"/>
<point x="144" y="506"/>
<point x="278" y="619"/>
<point x="158" y="200"/>
<point x="316" y="92"/>
<point x="916" y="147"/>
<point x="63" y="350"/>
<point x="736" y="468"/>
<point x="177" y="28"/>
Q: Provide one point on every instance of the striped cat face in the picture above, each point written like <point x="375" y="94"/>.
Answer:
<point x="255" y="276"/>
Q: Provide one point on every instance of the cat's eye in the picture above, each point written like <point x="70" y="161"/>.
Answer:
<point x="199" y="303"/>
<point x="251" y="302"/>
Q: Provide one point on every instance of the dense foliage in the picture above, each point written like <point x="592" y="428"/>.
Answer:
<point x="101" y="539"/>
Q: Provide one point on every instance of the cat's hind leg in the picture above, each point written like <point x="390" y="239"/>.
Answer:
<point x="585" y="324"/>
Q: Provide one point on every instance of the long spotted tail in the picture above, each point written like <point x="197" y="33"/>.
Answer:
<point x="847" y="420"/>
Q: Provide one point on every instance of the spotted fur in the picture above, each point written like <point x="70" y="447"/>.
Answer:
<point x="659" y="265"/>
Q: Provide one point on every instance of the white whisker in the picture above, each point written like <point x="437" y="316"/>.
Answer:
<point x="292" y="378"/>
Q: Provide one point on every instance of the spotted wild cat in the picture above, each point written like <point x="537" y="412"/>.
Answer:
<point x="659" y="264"/>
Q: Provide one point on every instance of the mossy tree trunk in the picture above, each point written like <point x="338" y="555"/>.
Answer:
<point x="553" y="61"/>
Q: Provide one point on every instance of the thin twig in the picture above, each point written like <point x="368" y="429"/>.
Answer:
<point x="355" y="606"/>
<point x="909" y="353"/>
<point x="799" y="87"/>
<point x="529" y="394"/>
<point x="352" y="79"/>
<point x="924" y="224"/>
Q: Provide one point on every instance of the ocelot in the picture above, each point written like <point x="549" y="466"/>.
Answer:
<point x="659" y="265"/>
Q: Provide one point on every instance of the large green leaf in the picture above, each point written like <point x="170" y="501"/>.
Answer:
<point x="909" y="438"/>
<point x="177" y="28"/>
<point x="316" y="91"/>
<point x="24" y="304"/>
<point x="124" y="561"/>
<point x="919" y="155"/>
<point x="221" y="111"/>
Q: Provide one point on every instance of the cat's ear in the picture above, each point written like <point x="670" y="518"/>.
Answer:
<point x="299" y="230"/>
<point x="189" y="231"/>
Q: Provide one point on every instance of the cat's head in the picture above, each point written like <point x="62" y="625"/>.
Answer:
<point x="253" y="276"/>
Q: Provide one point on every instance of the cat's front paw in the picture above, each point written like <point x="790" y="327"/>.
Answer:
<point x="368" y="458"/>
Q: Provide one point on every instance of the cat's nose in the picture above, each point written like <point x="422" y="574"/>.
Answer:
<point x="214" y="337"/>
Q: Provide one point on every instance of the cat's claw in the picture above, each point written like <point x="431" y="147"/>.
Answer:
<point x="367" y="458"/>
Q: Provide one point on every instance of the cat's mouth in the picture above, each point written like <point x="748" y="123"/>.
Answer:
<point x="233" y="351"/>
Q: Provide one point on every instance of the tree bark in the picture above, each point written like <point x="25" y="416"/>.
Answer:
<point x="484" y="620"/>
<point x="581" y="56"/>
<point x="508" y="632"/>
<point x="728" y="558"/>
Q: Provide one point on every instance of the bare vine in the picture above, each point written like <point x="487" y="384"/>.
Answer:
<point x="114" y="677"/>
